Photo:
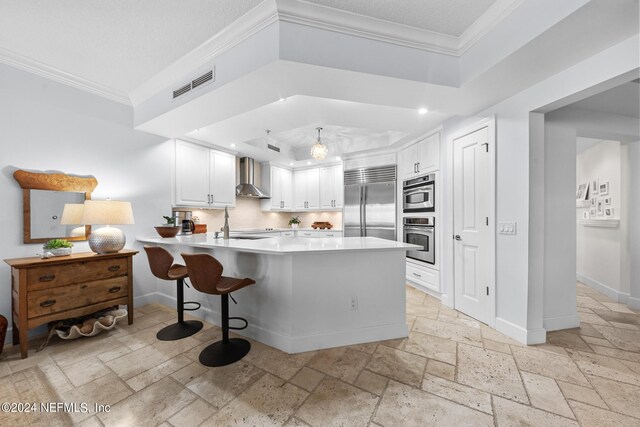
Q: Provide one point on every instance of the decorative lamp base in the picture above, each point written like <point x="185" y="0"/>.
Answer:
<point x="107" y="240"/>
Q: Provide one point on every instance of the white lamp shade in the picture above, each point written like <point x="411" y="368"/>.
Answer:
<point x="107" y="212"/>
<point x="72" y="214"/>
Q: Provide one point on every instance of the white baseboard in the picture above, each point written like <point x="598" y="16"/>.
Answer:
<point x="146" y="299"/>
<point x="424" y="289"/>
<point x="634" y="303"/>
<point x="617" y="296"/>
<point x="561" y="322"/>
<point x="518" y="333"/>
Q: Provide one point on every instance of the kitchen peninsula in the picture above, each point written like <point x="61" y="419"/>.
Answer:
<point x="310" y="293"/>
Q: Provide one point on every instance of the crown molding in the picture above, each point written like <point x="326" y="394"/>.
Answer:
<point x="47" y="71"/>
<point x="336" y="20"/>
<point x="327" y="18"/>
<point x="258" y="18"/>
<point x="487" y="21"/>
<point x="267" y="13"/>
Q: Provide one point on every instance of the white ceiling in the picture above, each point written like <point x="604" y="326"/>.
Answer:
<point x="623" y="100"/>
<point x="115" y="43"/>
<point x="451" y="17"/>
<point x="119" y="44"/>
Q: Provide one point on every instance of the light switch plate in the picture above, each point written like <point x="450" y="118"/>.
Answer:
<point x="509" y="228"/>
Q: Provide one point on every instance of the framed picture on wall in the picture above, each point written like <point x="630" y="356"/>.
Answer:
<point x="608" y="212"/>
<point x="592" y="212"/>
<point x="594" y="202"/>
<point x="594" y="187"/>
<point x="604" y="188"/>
<point x="600" y="208"/>
<point x="582" y="192"/>
<point x="585" y="214"/>
<point x="607" y="201"/>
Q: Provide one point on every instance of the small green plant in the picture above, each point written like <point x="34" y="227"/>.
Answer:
<point x="170" y="220"/>
<point x="57" y="244"/>
<point x="294" y="220"/>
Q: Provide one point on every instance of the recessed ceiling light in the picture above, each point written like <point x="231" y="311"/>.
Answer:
<point x="291" y="164"/>
<point x="197" y="130"/>
<point x="308" y="163"/>
<point x="282" y="99"/>
<point x="232" y="145"/>
<point x="423" y="111"/>
<point x="338" y="158"/>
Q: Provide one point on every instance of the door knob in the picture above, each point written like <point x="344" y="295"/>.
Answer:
<point x="457" y="237"/>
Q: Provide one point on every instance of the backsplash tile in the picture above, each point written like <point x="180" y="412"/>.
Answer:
<point x="247" y="214"/>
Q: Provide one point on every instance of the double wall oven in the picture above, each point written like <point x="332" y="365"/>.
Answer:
<point x="419" y="222"/>
<point x="420" y="231"/>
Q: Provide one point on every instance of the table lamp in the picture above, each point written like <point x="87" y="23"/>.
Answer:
<point x="72" y="215"/>
<point x="107" y="239"/>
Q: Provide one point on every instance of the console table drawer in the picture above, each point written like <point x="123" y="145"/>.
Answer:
<point x="48" y="277"/>
<point x="64" y="298"/>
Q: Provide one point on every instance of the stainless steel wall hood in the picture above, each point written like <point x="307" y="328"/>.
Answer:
<point x="247" y="187"/>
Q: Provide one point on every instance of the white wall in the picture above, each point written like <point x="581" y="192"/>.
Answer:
<point x="518" y="315"/>
<point x="559" y="229"/>
<point x="603" y="252"/>
<point x="46" y="126"/>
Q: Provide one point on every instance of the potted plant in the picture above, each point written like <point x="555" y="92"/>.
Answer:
<point x="169" y="228"/>
<point x="294" y="222"/>
<point x="58" y="247"/>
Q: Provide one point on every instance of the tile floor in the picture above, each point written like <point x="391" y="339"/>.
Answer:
<point x="450" y="371"/>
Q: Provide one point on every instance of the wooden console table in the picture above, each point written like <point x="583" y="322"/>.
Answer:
<point x="43" y="290"/>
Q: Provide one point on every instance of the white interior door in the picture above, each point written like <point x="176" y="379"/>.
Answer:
<point x="473" y="233"/>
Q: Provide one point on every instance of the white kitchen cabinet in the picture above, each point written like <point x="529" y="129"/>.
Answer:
<point x="204" y="178"/>
<point x="223" y="179"/>
<point x="306" y="184"/>
<point x="420" y="158"/>
<point x="279" y="182"/>
<point x="423" y="277"/>
<point x="331" y="187"/>
<point x="318" y="233"/>
<point x="328" y="233"/>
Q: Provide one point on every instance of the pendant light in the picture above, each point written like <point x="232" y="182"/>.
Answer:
<point x="319" y="150"/>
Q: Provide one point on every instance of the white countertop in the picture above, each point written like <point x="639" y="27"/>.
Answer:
<point x="283" y="245"/>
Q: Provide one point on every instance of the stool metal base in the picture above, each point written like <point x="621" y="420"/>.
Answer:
<point x="223" y="353"/>
<point x="179" y="330"/>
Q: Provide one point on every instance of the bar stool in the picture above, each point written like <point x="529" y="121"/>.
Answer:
<point x="162" y="266"/>
<point x="205" y="273"/>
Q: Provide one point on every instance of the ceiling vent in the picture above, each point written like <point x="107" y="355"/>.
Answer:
<point x="181" y="90"/>
<point x="206" y="77"/>
<point x="273" y="147"/>
<point x="198" y="81"/>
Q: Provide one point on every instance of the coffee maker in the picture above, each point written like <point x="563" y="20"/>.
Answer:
<point x="188" y="227"/>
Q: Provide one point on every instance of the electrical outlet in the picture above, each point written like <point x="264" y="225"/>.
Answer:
<point x="509" y="228"/>
<point x="353" y="304"/>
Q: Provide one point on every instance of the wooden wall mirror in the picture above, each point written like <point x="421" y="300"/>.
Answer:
<point x="43" y="199"/>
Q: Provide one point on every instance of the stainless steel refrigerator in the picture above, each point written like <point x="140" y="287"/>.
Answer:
<point x="370" y="202"/>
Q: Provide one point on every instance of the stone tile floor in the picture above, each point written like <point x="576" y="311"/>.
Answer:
<point x="450" y="371"/>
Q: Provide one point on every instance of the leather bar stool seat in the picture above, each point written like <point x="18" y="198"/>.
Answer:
<point x="205" y="273"/>
<point x="162" y="266"/>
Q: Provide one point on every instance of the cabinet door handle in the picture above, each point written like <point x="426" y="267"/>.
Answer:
<point x="84" y="286"/>
<point x="114" y="289"/>
<point x="417" y="275"/>
<point x="114" y="268"/>
<point x="47" y="277"/>
<point x="418" y="167"/>
<point x="47" y="303"/>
